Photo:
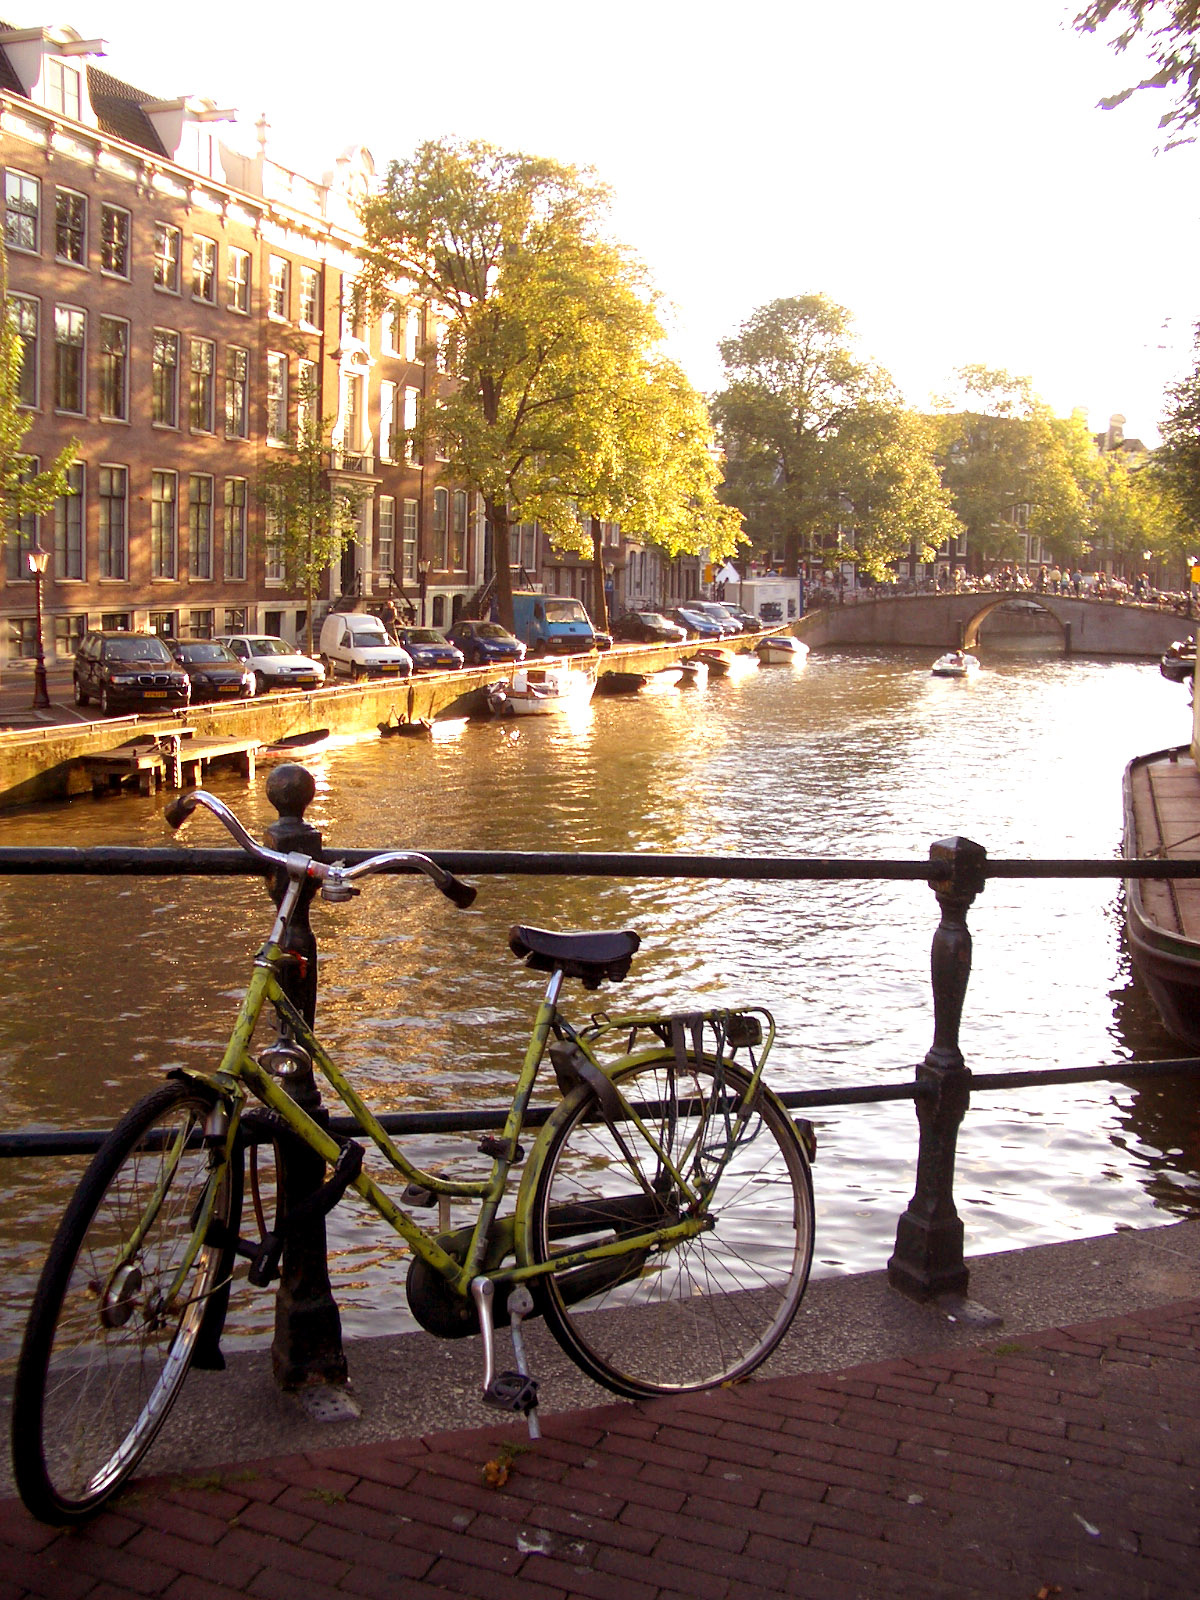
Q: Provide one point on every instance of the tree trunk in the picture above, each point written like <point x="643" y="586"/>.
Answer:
<point x="600" y="602"/>
<point x="498" y="516"/>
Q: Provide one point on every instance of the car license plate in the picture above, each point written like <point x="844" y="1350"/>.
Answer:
<point x="155" y="694"/>
<point x="229" y="688"/>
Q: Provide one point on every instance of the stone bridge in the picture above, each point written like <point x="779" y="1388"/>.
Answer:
<point x="953" y="621"/>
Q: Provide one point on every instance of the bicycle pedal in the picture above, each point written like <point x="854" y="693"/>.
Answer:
<point x="512" y="1391"/>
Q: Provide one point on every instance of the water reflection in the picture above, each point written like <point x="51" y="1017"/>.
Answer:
<point x="104" y="982"/>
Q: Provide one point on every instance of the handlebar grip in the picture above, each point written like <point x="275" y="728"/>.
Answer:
<point x="462" y="894"/>
<point x="180" y="809"/>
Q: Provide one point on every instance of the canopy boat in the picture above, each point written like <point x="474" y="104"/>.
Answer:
<point x="957" y="664"/>
<point x="1162" y="915"/>
<point x="1179" y="661"/>
<point x="717" y="661"/>
<point x="621" y="682"/>
<point x="542" y="689"/>
<point x="780" y="647"/>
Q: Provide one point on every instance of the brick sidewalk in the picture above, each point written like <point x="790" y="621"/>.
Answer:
<point x="1063" y="1466"/>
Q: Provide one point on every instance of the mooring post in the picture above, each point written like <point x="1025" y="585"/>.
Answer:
<point x="307" y="1347"/>
<point x="928" y="1259"/>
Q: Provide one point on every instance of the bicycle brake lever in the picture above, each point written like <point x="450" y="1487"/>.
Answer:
<point x="461" y="894"/>
<point x="180" y="809"/>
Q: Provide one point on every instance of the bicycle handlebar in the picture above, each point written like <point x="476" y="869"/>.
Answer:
<point x="332" y="876"/>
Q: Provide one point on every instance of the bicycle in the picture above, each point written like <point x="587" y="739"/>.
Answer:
<point x="637" y="1232"/>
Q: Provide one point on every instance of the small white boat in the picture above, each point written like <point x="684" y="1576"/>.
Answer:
<point x="957" y="664"/>
<point x="777" y="647"/>
<point x="541" y="690"/>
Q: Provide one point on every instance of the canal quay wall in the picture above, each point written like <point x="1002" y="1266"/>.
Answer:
<point x="44" y="760"/>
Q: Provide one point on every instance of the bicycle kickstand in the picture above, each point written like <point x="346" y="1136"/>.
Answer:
<point x="509" y="1391"/>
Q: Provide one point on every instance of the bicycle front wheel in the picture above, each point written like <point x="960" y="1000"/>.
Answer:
<point x="119" y="1305"/>
<point x="701" y="1311"/>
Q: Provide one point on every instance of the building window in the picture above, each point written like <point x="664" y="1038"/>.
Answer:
<point x="69" y="329"/>
<point x="68" y="635"/>
<point x="390" y="324"/>
<point x="278" y="287"/>
<point x="70" y="228"/>
<point x="115" y="621"/>
<point x="200" y="528"/>
<point x="62" y="89"/>
<point x="204" y="270"/>
<point x="458" y="533"/>
<point x="22" y="208"/>
<point x="68" y="527"/>
<point x="114" y="241"/>
<point x="386" y="554"/>
<point x="237" y="380"/>
<point x="410" y="531"/>
<point x="274" y="570"/>
<point x="22" y="638"/>
<point x="414" y="333"/>
<point x="235" y="619"/>
<point x="352" y="414"/>
<point x="441" y="513"/>
<point x="164" y="407"/>
<point x="277" y="411"/>
<point x="200" y="624"/>
<point x="235" y="528"/>
<point x="162" y="525"/>
<point x="113" y="489"/>
<point x="412" y="449"/>
<point x="167" y="241"/>
<point x="25" y="315"/>
<point x="165" y="624"/>
<point x="310" y="297"/>
<point x="387" y="421"/>
<point x="203" y="383"/>
<point x="114" y="368"/>
<point x="306" y="393"/>
<point x="238" y="280"/>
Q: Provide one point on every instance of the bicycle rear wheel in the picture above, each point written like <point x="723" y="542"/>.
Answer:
<point x="702" y="1311"/>
<point x="108" y="1344"/>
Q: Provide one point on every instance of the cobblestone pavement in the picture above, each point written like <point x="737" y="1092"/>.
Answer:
<point x="1058" y="1465"/>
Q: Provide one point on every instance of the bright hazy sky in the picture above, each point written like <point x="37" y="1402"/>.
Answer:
<point x="938" y="167"/>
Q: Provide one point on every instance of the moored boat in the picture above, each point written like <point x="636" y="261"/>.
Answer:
<point x="717" y="661"/>
<point x="621" y="682"/>
<point x="1178" y="662"/>
<point x="955" y="664"/>
<point x="1162" y="821"/>
<point x="541" y="690"/>
<point x="774" y="648"/>
<point x="693" y="674"/>
<point x="295" y="746"/>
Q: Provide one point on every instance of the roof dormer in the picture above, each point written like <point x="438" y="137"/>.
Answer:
<point x="190" y="130"/>
<point x="50" y="64"/>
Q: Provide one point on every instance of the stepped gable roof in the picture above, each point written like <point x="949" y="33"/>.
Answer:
<point x="118" y="108"/>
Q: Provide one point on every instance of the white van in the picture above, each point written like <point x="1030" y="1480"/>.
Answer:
<point x="356" y="643"/>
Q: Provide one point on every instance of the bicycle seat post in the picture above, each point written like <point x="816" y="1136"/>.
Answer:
<point x="307" y="1347"/>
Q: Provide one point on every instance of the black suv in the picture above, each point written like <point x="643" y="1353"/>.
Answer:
<point x="128" y="672"/>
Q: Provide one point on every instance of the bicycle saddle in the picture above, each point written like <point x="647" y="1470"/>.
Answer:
<point x="593" y="957"/>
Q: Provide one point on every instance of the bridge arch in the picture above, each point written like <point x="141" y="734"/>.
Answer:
<point x="1025" y="602"/>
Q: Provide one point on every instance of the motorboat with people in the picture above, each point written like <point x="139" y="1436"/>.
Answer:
<point x="955" y="664"/>
<point x="781" y="648"/>
<point x="541" y="689"/>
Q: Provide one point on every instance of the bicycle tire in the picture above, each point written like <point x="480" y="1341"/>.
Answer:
<point x="698" y="1313"/>
<point x="103" y="1358"/>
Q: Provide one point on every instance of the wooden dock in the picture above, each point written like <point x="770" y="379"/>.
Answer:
<point x="176" y="759"/>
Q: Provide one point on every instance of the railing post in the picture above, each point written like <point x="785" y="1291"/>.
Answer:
<point x="307" y="1347"/>
<point x="928" y="1258"/>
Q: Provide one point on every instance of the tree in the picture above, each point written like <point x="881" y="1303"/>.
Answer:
<point x="1167" y="29"/>
<point x="310" y="520"/>
<point x="549" y="326"/>
<point x="792" y="382"/>
<point x="1177" y="462"/>
<point x="1134" y="512"/>
<point x="816" y="437"/>
<point x="23" y="493"/>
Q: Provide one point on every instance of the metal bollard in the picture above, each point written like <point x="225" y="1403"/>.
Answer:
<point x="928" y="1259"/>
<point x="307" y="1347"/>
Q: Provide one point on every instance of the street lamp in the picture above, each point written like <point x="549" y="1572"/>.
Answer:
<point x="423" y="584"/>
<point x="38" y="560"/>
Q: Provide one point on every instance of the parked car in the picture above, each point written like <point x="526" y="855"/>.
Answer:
<point x="128" y="672"/>
<point x="484" y="642"/>
<point x="749" y="622"/>
<point x="215" y="671"/>
<point x="358" y="644"/>
<point x="648" y="627"/>
<point x="274" y="663"/>
<point x="717" y="613"/>
<point x="697" y="625"/>
<point x="430" y="650"/>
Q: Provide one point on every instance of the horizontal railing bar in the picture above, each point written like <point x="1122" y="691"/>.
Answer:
<point x="29" y="1143"/>
<point x="129" y="861"/>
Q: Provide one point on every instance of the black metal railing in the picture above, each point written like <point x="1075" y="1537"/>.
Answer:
<point x="927" y="1262"/>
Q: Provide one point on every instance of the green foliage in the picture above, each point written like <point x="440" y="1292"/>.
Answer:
<point x="816" y="437"/>
<point x="22" y="493"/>
<point x="312" y="519"/>
<point x="1177" y="463"/>
<point x="1167" y="29"/>
<point x="552" y="347"/>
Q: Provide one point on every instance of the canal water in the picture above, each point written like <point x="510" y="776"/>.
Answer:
<point x="105" y="982"/>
